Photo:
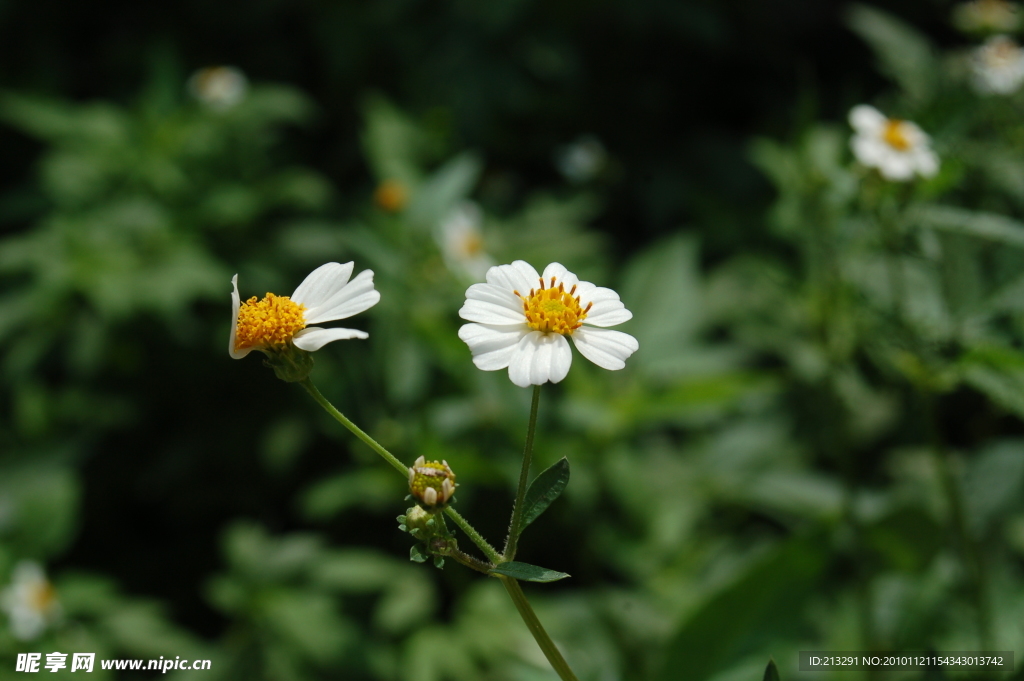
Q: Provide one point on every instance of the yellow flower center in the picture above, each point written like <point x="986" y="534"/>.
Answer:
<point x="553" y="309"/>
<point x="895" y="134"/>
<point x="43" y="597"/>
<point x="472" y="244"/>
<point x="271" y="322"/>
<point x="391" y="195"/>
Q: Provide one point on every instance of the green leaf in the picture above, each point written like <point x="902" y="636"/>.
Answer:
<point x="988" y="226"/>
<point x="903" y="53"/>
<point x="998" y="372"/>
<point x="764" y="604"/>
<point x="771" y="672"/>
<point x="544" y="490"/>
<point x="417" y="554"/>
<point x="527" y="572"/>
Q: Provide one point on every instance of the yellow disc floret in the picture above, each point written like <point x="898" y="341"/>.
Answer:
<point x="42" y="596"/>
<point x="553" y="309"/>
<point x="895" y="134"/>
<point x="268" y="323"/>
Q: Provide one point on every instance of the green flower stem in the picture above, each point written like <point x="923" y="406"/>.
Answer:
<point x="356" y="430"/>
<point x="470" y="562"/>
<point x="524" y="476"/>
<point x="533" y="624"/>
<point x="489" y="551"/>
<point x="474" y="536"/>
<point x="511" y="585"/>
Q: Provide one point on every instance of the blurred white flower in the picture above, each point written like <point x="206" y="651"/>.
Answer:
<point x="997" y="67"/>
<point x="898" y="149"/>
<point x="582" y="160"/>
<point x="980" y="16"/>
<point x="274" y="323"/>
<point x="30" y="601"/>
<point x="219" y="87"/>
<point x="462" y="242"/>
<point x="520" y="321"/>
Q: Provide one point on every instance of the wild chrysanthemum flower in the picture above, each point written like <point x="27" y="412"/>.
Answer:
<point x="521" y="320"/>
<point x="980" y="16"/>
<point x="277" y="324"/>
<point x="30" y="601"/>
<point x="997" y="67"/>
<point x="462" y="242"/>
<point x="898" y="149"/>
<point x="219" y="87"/>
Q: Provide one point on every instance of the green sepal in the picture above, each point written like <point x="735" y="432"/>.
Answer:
<point x="417" y="554"/>
<point x="543" y="490"/>
<point x="289" y="364"/>
<point x="439" y="562"/>
<point x="771" y="672"/>
<point x="527" y="572"/>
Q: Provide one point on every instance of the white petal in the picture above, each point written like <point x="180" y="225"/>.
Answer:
<point x="870" y="151"/>
<point x="558" y="271"/>
<point x="313" y="338"/>
<point x="606" y="348"/>
<point x="608" y="313"/>
<point x="322" y="283"/>
<point x="607" y="309"/>
<point x="492" y="347"/>
<point x="897" y="167"/>
<point x="235" y="306"/>
<point x="539" y="358"/>
<point x="430" y="496"/>
<point x="519" y="276"/>
<point x="355" y="297"/>
<point x="488" y="293"/>
<point x="927" y="162"/>
<point x="490" y="313"/>
<point x="866" y="119"/>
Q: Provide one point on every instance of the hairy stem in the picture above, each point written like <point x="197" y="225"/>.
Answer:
<point x="356" y="430"/>
<point x="474" y="536"/>
<point x="547" y="646"/>
<point x="524" y="476"/>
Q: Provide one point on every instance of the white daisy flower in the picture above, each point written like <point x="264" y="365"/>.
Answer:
<point x="462" y="242"/>
<point x="30" y="601"/>
<point x="219" y="87"/>
<point x="521" y="318"/>
<point x="997" y="67"/>
<point x="898" y="149"/>
<point x="277" y="322"/>
<point x="998" y="16"/>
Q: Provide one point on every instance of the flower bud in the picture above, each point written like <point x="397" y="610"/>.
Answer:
<point x="431" y="484"/>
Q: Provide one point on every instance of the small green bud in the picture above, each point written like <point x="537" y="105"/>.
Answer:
<point x="432" y="484"/>
<point x="418" y="523"/>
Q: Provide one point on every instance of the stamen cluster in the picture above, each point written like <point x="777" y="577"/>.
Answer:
<point x="895" y="134"/>
<point x="270" y="323"/>
<point x="553" y="309"/>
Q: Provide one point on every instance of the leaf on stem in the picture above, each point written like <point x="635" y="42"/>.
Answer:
<point x="544" y="490"/>
<point x="771" y="672"/>
<point x="527" y="572"/>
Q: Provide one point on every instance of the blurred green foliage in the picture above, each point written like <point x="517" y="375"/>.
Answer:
<point x="817" y="447"/>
